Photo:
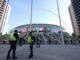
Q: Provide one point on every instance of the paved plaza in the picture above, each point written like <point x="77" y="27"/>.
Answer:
<point x="46" y="52"/>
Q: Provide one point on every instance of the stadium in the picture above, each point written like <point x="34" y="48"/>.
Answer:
<point x="47" y="33"/>
<point x="39" y="28"/>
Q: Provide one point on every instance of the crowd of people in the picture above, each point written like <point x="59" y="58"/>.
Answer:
<point x="31" y="40"/>
<point x="14" y="39"/>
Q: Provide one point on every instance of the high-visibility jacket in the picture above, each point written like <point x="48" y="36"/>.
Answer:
<point x="12" y="37"/>
<point x="29" y="39"/>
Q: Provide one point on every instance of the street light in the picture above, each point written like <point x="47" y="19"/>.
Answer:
<point x="31" y="15"/>
<point x="60" y="22"/>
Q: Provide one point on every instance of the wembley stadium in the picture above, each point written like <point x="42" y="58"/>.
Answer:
<point x="46" y="33"/>
<point x="39" y="28"/>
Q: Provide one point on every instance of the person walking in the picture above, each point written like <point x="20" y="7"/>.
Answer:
<point x="38" y="42"/>
<point x="13" y="43"/>
<point x="30" y="42"/>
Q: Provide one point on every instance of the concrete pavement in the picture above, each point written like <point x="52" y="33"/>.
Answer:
<point x="46" y="52"/>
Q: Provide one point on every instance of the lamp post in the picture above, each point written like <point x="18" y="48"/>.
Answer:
<point x="60" y="22"/>
<point x="31" y="15"/>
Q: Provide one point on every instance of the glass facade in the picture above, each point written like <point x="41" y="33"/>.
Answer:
<point x="2" y="7"/>
<point x="39" y="27"/>
<point x="76" y="7"/>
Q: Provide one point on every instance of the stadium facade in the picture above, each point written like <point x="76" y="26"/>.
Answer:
<point x="44" y="32"/>
<point x="39" y="28"/>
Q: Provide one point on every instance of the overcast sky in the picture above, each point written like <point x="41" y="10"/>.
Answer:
<point x="44" y="11"/>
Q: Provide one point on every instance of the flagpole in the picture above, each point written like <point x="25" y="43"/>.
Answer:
<point x="31" y="15"/>
<point x="62" y="39"/>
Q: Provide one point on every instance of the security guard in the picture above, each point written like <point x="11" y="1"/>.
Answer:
<point x="13" y="43"/>
<point x="30" y="42"/>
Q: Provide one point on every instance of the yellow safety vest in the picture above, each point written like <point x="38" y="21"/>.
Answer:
<point x="12" y="37"/>
<point x="29" y="39"/>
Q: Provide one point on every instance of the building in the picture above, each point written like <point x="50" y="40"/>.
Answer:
<point x="4" y="14"/>
<point x="39" y="28"/>
<point x="45" y="32"/>
<point x="73" y="20"/>
<point x="74" y="10"/>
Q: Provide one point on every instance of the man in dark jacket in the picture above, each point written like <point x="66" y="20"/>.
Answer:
<point x="13" y="43"/>
<point x="38" y="42"/>
<point x="30" y="42"/>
